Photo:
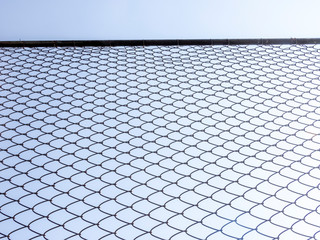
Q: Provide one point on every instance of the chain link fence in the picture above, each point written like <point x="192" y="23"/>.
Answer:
<point x="160" y="142"/>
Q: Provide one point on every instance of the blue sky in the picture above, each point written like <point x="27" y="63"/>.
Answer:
<point x="155" y="19"/>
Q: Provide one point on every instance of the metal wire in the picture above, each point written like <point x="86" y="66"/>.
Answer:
<point x="167" y="142"/>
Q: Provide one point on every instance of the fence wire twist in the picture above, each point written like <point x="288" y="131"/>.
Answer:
<point x="193" y="142"/>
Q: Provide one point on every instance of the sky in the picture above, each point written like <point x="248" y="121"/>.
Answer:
<point x="157" y="19"/>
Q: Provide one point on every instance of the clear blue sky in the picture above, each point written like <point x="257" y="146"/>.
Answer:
<point x="157" y="19"/>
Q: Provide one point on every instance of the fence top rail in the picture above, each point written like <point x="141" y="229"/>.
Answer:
<point x="160" y="42"/>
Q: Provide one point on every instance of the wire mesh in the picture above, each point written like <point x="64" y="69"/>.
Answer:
<point x="163" y="142"/>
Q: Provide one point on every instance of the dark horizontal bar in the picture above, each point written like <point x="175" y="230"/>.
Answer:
<point x="82" y="43"/>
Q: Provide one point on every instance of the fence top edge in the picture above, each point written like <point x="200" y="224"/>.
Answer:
<point x="160" y="42"/>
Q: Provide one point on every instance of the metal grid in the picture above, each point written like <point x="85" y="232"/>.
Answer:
<point x="167" y="142"/>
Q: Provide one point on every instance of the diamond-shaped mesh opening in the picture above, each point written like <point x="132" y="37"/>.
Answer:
<point x="192" y="142"/>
